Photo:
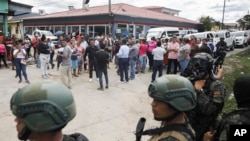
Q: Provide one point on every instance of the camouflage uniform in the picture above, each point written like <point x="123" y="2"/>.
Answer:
<point x="210" y="103"/>
<point x="178" y="93"/>
<point x="237" y="117"/>
<point x="175" y="135"/>
<point x="210" y="99"/>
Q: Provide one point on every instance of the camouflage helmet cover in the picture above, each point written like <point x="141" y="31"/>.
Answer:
<point x="43" y="106"/>
<point x="174" y="90"/>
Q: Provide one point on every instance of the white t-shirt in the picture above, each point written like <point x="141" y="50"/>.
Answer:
<point x="20" y="54"/>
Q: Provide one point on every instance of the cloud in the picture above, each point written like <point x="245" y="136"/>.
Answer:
<point x="190" y="9"/>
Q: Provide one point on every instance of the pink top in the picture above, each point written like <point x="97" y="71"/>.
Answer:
<point x="173" y="54"/>
<point x="143" y="49"/>
<point x="2" y="48"/>
<point x="80" y="50"/>
<point x="151" y="46"/>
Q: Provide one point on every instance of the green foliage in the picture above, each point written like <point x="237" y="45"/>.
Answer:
<point x="234" y="66"/>
<point x="247" y="18"/>
<point x="208" y="22"/>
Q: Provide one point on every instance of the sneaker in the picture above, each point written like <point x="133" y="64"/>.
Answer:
<point x="101" y="89"/>
<point x="44" y="77"/>
<point x="27" y="81"/>
<point x="90" y="80"/>
<point x="107" y="86"/>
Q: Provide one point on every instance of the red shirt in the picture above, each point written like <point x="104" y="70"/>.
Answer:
<point x="143" y="49"/>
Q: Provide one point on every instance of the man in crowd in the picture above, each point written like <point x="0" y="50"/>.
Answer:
<point x="66" y="64"/>
<point x="133" y="57"/>
<point x="158" y="54"/>
<point x="102" y="59"/>
<point x="42" y="110"/>
<point x="123" y="61"/>
<point x="90" y="51"/>
<point x="173" y="48"/>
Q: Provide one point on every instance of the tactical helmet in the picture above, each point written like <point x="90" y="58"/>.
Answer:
<point x="175" y="90"/>
<point x="202" y="61"/>
<point x="43" y="106"/>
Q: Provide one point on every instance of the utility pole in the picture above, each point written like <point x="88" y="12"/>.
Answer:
<point x="222" y="22"/>
<point x="110" y="17"/>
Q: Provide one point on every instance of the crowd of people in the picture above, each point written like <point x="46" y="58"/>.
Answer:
<point x="187" y="103"/>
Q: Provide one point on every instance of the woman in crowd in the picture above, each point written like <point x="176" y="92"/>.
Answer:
<point x="80" y="56"/>
<point x="183" y="54"/>
<point x="20" y="54"/>
<point x="3" y="54"/>
<point x="44" y="51"/>
<point x="74" y="55"/>
<point x="143" y="55"/>
<point x="52" y="53"/>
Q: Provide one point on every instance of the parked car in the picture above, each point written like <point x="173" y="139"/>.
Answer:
<point x="228" y="38"/>
<point x="241" y="38"/>
<point x="162" y="32"/>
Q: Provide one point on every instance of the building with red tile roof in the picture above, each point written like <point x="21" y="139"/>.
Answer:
<point x="123" y="19"/>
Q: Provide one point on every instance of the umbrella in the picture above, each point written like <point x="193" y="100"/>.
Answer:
<point x="59" y="33"/>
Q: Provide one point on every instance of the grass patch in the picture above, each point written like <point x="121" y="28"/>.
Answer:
<point x="234" y="66"/>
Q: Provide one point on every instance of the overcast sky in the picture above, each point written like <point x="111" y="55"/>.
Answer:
<point x="191" y="9"/>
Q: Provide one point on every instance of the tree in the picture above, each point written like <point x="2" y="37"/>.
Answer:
<point x="247" y="19"/>
<point x="208" y="22"/>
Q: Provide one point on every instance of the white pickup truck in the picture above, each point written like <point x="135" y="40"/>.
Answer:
<point x="48" y="34"/>
<point x="228" y="38"/>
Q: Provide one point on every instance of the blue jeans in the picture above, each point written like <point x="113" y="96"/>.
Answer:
<point x="38" y="62"/>
<point x="105" y="72"/>
<point x="158" y="66"/>
<point x="20" y="68"/>
<point x="123" y="67"/>
<point x="143" y="62"/>
<point x="132" y="64"/>
<point x="183" y="64"/>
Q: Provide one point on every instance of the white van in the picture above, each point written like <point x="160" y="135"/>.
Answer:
<point x="202" y="35"/>
<point x="162" y="32"/>
<point x="240" y="38"/>
<point x="48" y="34"/>
<point x="182" y="33"/>
<point x="228" y="38"/>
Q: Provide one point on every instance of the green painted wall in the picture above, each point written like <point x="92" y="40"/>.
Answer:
<point x="4" y="6"/>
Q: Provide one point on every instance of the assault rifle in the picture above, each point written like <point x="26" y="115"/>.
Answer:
<point x="219" y="59"/>
<point x="139" y="128"/>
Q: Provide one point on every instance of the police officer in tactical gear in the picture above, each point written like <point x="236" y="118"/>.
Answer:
<point x="210" y="94"/>
<point x="172" y="95"/>
<point x="221" y="47"/>
<point x="42" y="110"/>
<point x="240" y="116"/>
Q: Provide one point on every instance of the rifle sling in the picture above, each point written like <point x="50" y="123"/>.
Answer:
<point x="176" y="127"/>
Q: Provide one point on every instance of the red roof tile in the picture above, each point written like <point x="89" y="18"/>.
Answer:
<point x="121" y="9"/>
